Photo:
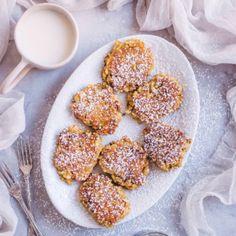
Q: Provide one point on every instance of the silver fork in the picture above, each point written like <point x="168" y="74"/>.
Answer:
<point x="24" y="157"/>
<point x="15" y="191"/>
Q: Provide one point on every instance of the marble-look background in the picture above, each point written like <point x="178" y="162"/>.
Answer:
<point x="98" y="27"/>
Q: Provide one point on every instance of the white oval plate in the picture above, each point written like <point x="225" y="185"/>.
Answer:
<point x="168" y="59"/>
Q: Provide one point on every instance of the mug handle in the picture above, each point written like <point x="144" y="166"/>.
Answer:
<point x="15" y="76"/>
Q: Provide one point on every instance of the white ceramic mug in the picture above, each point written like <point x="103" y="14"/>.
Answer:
<point x="46" y="36"/>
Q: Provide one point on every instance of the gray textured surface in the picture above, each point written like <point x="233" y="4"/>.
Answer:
<point x="98" y="27"/>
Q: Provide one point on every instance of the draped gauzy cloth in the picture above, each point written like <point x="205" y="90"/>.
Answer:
<point x="220" y="184"/>
<point x="8" y="219"/>
<point x="205" y="28"/>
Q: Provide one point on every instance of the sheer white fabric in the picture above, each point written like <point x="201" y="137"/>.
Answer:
<point x="8" y="219"/>
<point x="12" y="117"/>
<point x="221" y="184"/>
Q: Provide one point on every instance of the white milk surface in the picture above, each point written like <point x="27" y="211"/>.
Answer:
<point x="45" y="37"/>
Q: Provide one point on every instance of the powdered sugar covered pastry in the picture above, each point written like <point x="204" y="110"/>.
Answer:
<point x="157" y="98"/>
<point x="98" y="107"/>
<point x="106" y="202"/>
<point x="165" y="145"/>
<point x="76" y="153"/>
<point x="126" y="162"/>
<point x="128" y="65"/>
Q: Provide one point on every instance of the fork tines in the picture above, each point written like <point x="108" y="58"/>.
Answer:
<point x="6" y="175"/>
<point x="23" y="151"/>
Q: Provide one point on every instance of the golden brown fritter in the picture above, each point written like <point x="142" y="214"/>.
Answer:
<point x="165" y="145"/>
<point x="106" y="202"/>
<point x="157" y="98"/>
<point x="128" y="65"/>
<point x="98" y="107"/>
<point x="126" y="162"/>
<point x="76" y="154"/>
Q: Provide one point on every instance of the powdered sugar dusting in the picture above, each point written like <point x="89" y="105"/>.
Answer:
<point x="159" y="97"/>
<point x="106" y="202"/>
<point x="98" y="107"/>
<point x="128" y="65"/>
<point x="165" y="215"/>
<point x="76" y="154"/>
<point x="169" y="60"/>
<point x="165" y="144"/>
<point x="126" y="160"/>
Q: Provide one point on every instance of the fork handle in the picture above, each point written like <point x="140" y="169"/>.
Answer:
<point x="28" y="200"/>
<point x="28" y="193"/>
<point x="29" y="216"/>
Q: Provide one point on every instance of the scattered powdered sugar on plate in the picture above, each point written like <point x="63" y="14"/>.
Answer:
<point x="164" y="216"/>
<point x="168" y="59"/>
<point x="213" y="82"/>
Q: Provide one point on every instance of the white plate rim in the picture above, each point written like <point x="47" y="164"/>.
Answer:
<point x="71" y="77"/>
